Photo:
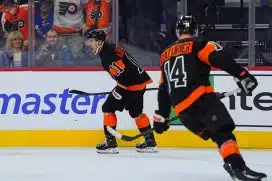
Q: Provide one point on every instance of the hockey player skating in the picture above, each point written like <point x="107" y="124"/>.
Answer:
<point x="185" y="85"/>
<point x="128" y="94"/>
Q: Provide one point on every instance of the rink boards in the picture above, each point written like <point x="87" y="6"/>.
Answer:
<point x="37" y="110"/>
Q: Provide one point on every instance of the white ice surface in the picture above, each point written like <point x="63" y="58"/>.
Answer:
<point x="84" y="164"/>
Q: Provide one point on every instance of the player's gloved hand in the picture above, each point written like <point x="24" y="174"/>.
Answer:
<point x="160" y="123"/>
<point x="246" y="82"/>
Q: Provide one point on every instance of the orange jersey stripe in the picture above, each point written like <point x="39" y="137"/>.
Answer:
<point x="137" y="87"/>
<point x="192" y="98"/>
<point x="203" y="54"/>
<point x="62" y="29"/>
<point x="242" y="73"/>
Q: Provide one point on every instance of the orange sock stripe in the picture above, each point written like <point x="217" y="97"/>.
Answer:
<point x="228" y="148"/>
<point x="142" y="121"/>
<point x="110" y="119"/>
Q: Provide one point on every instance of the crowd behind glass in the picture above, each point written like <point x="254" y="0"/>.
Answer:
<point x="59" y="27"/>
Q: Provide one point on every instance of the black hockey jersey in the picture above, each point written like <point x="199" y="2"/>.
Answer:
<point x="123" y="68"/>
<point x="185" y="69"/>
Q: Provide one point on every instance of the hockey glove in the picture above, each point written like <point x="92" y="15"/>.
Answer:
<point x="160" y="123"/>
<point x="246" y="82"/>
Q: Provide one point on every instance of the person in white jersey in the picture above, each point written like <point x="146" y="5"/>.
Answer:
<point x="68" y="22"/>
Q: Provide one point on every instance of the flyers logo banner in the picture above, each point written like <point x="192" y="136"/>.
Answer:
<point x="69" y="7"/>
<point x="21" y="23"/>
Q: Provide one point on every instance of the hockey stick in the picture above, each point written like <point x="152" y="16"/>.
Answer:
<point x="74" y="91"/>
<point x="132" y="138"/>
<point x="240" y="125"/>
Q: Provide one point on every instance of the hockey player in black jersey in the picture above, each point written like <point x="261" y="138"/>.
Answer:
<point x="185" y="68"/>
<point x="128" y="93"/>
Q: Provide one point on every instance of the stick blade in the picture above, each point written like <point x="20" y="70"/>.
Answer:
<point x="127" y="138"/>
<point x="114" y="132"/>
<point x="119" y="135"/>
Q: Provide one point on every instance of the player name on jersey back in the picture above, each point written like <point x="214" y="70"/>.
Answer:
<point x="176" y="50"/>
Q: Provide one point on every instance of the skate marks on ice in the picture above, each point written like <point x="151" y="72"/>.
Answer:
<point x="80" y="164"/>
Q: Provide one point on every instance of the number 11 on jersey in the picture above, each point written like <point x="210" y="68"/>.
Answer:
<point x="175" y="73"/>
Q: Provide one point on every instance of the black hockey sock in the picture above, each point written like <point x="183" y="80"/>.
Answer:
<point x="150" y="136"/>
<point x="107" y="133"/>
<point x="144" y="129"/>
<point x="235" y="160"/>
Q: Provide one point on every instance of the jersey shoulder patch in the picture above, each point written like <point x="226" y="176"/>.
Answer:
<point x="217" y="46"/>
<point x="119" y="51"/>
<point x="201" y="43"/>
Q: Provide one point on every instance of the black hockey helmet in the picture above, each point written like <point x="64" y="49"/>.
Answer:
<point x="186" y="24"/>
<point x="97" y="34"/>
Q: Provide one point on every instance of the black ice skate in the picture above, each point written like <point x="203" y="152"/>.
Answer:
<point x="244" y="174"/>
<point x="148" y="146"/>
<point x="109" y="146"/>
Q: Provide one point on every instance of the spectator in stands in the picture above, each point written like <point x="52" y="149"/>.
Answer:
<point x="24" y="1"/>
<point x="15" y="18"/>
<point x="211" y="14"/>
<point x="141" y="21"/>
<point x="68" y="22"/>
<point x="2" y="37"/>
<point x="53" y="52"/>
<point x="152" y="20"/>
<point x="14" y="56"/>
<point x="264" y="3"/>
<point x="98" y="14"/>
<point x="168" y="20"/>
<point x="43" y="20"/>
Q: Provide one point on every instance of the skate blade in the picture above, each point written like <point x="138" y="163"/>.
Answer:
<point x="108" y="151"/>
<point x="262" y="179"/>
<point x="148" y="150"/>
